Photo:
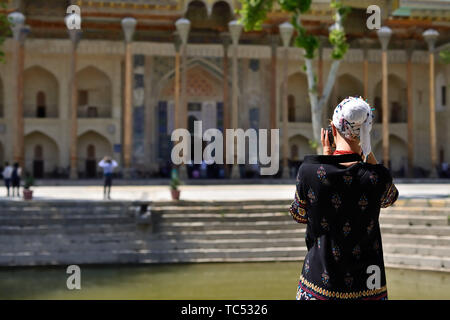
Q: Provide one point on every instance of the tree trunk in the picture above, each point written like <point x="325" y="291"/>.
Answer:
<point x="317" y="105"/>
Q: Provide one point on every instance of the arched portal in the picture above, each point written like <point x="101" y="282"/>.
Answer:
<point x="94" y="94"/>
<point x="197" y="14"/>
<point x="398" y="155"/>
<point x="298" y="91"/>
<point x="41" y="154"/>
<point x="397" y="100"/>
<point x="299" y="147"/>
<point x="346" y="85"/>
<point x="40" y="93"/>
<point x="92" y="147"/>
<point x="221" y="14"/>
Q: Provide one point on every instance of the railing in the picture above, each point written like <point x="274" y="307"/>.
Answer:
<point x="94" y="111"/>
<point x="32" y="111"/>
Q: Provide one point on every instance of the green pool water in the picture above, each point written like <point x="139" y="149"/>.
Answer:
<point x="269" y="280"/>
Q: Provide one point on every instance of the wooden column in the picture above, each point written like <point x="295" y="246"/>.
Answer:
<point x="127" y="109"/>
<point x="19" y="123"/>
<point x="182" y="118"/>
<point x="183" y="98"/>
<point x="226" y="103"/>
<point x="235" y="109"/>
<point x="285" y="143"/>
<point x="366" y="73"/>
<point x="409" y="80"/>
<point x="273" y="84"/>
<point x="385" y="107"/>
<point x="176" y="114"/>
<point x="433" y="142"/>
<point x="430" y="37"/>
<point x="75" y="37"/>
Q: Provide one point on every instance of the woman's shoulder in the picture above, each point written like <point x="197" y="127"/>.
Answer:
<point x="379" y="169"/>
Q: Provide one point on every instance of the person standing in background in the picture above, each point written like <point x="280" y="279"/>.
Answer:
<point x="7" y="173"/>
<point x="108" y="165"/>
<point x="15" y="178"/>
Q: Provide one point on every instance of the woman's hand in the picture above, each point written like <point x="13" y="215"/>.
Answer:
<point x="327" y="150"/>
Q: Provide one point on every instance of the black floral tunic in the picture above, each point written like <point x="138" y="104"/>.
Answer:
<point x="341" y="207"/>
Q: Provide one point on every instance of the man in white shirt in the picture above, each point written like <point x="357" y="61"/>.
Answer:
<point x="7" y="173"/>
<point x="108" y="166"/>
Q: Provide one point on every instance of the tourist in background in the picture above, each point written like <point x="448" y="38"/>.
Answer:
<point x="7" y="173"/>
<point x="15" y="179"/>
<point x="108" y="165"/>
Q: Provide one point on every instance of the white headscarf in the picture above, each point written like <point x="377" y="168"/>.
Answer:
<point x="353" y="118"/>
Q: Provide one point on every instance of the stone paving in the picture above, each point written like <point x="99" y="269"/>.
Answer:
<point x="210" y="192"/>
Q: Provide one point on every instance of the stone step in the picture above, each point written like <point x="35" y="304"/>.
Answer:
<point x="247" y="217"/>
<point x="230" y="234"/>
<point x="415" y="230"/>
<point x="36" y="203"/>
<point x="418" y="202"/>
<point x="416" y="249"/>
<point x="129" y="256"/>
<point x="420" y="211"/>
<point x="67" y="221"/>
<point x="256" y="225"/>
<point x="227" y="217"/>
<point x="222" y="259"/>
<point x="86" y="209"/>
<point x="427" y="262"/>
<point x="57" y="237"/>
<point x="415" y="239"/>
<point x="62" y="229"/>
<point x="239" y="203"/>
<point x="413" y="220"/>
<point x="63" y="212"/>
<point x="170" y="244"/>
<point x="221" y="209"/>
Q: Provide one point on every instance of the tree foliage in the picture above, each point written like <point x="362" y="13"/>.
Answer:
<point x="254" y="13"/>
<point x="5" y="31"/>
<point x="445" y="56"/>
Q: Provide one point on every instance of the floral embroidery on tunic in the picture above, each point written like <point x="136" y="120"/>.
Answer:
<point x="356" y="251"/>
<point x="324" y="224"/>
<point x="325" y="278"/>
<point x="306" y="266"/>
<point x="347" y="179"/>
<point x="311" y="195"/>
<point x="336" y="252"/>
<point x="373" y="178"/>
<point x="348" y="280"/>
<point x="321" y="173"/>
<point x="346" y="228"/>
<point x="363" y="202"/>
<point x="297" y="209"/>
<point x="336" y="200"/>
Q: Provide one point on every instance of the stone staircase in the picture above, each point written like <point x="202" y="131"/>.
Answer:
<point x="416" y="233"/>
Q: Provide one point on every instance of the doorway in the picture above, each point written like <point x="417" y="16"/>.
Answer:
<point x="38" y="162"/>
<point x="91" y="162"/>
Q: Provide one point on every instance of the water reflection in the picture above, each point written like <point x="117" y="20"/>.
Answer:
<point x="272" y="280"/>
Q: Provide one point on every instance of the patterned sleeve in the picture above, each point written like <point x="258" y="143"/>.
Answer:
<point x="390" y="194"/>
<point x="298" y="206"/>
